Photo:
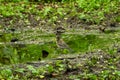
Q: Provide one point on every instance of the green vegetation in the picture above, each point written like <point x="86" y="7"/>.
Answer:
<point x="27" y="28"/>
<point x="93" y="11"/>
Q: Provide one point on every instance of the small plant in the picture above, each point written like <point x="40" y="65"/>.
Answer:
<point x="32" y="69"/>
<point x="6" y="74"/>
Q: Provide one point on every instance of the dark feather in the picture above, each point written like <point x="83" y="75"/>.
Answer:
<point x="14" y="40"/>
<point x="44" y="53"/>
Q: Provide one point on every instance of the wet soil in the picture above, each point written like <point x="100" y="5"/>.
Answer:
<point x="87" y="63"/>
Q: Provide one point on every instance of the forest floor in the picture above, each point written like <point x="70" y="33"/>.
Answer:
<point x="96" y="48"/>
